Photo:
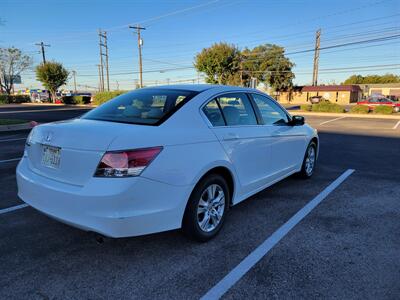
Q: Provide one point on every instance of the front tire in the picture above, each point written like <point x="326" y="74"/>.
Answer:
<point x="206" y="208"/>
<point x="310" y="161"/>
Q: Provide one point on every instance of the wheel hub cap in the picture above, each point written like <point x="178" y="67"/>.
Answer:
<point x="211" y="207"/>
<point x="310" y="160"/>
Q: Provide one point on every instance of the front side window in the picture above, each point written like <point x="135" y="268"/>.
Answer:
<point x="146" y="106"/>
<point x="237" y="109"/>
<point x="271" y="113"/>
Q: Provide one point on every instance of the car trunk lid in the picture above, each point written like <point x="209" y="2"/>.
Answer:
<point x="70" y="151"/>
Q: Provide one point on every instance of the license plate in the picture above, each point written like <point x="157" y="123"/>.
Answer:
<point x="51" y="156"/>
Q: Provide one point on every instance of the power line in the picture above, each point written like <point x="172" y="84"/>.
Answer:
<point x="369" y="67"/>
<point x="396" y="36"/>
<point x="286" y="46"/>
<point x="148" y="71"/>
<point x="386" y="38"/>
<point x="159" y="17"/>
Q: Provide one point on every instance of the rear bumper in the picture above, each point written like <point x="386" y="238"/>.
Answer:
<point x="114" y="207"/>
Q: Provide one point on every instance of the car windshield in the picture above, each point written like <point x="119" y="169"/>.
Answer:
<point x="145" y="106"/>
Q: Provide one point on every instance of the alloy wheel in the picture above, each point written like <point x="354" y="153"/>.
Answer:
<point x="310" y="160"/>
<point x="211" y="207"/>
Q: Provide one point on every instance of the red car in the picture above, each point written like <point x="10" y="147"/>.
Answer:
<point x="380" y="100"/>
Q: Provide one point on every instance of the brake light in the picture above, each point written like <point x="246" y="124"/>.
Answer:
<point x="126" y="163"/>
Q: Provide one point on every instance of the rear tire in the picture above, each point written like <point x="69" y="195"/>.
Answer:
<point x="309" y="161"/>
<point x="206" y="208"/>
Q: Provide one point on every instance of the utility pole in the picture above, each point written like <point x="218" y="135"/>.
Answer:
<point x="100" y="79"/>
<point x="42" y="45"/>
<point x="74" y="74"/>
<point x="241" y="72"/>
<point x="107" y="70"/>
<point x="104" y="52"/>
<point x="140" y="44"/>
<point x="316" y="57"/>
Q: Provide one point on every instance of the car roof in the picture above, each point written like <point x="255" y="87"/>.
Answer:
<point x="200" y="87"/>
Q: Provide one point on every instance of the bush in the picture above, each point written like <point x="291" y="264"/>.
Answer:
<point x="359" y="109"/>
<point x="6" y="99"/>
<point x="102" y="97"/>
<point x="12" y="121"/>
<point x="327" y="107"/>
<point x="76" y="100"/>
<point x="3" y="99"/>
<point x="20" y="99"/>
<point x="382" y="109"/>
<point x="306" y="107"/>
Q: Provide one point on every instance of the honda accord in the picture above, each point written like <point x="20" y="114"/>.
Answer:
<point x="163" y="158"/>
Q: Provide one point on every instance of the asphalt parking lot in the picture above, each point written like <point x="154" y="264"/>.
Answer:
<point x="347" y="247"/>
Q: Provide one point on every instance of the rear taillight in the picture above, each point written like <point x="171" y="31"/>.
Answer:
<point x="126" y="163"/>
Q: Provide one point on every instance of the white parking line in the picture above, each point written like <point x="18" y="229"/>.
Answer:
<point x="397" y="125"/>
<point x="8" y="160"/>
<point x="245" y="265"/>
<point x="12" y="140"/>
<point x="12" y="208"/>
<point x="331" y="120"/>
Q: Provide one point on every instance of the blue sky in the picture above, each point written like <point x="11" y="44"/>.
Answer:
<point x="177" y="30"/>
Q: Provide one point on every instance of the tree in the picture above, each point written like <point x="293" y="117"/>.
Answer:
<point x="52" y="75"/>
<point x="12" y="63"/>
<point x="269" y="65"/>
<point x="220" y="62"/>
<point x="370" y="79"/>
<point x="226" y="64"/>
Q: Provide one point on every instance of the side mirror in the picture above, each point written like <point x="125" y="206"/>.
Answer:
<point x="297" y="121"/>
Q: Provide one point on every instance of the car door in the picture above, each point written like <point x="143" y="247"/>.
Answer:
<point x="288" y="143"/>
<point x="246" y="143"/>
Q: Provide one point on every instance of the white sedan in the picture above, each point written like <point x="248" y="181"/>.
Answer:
<point x="163" y="158"/>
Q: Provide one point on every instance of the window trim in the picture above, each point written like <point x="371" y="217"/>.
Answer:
<point x="214" y="97"/>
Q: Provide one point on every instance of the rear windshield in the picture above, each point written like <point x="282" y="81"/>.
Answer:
<point x="146" y="106"/>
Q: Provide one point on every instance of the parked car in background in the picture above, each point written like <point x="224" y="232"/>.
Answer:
<point x="39" y="96"/>
<point x="157" y="159"/>
<point x="316" y="99"/>
<point x="376" y="100"/>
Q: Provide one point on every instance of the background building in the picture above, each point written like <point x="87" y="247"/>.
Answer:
<point x="341" y="94"/>
<point x="391" y="90"/>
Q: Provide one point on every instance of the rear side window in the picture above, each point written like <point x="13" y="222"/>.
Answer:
<point x="271" y="113"/>
<point x="213" y="113"/>
<point x="145" y="106"/>
<point x="237" y="109"/>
